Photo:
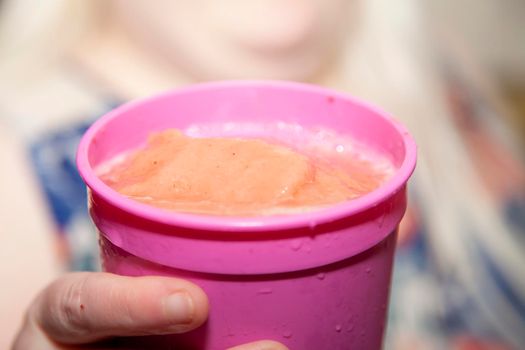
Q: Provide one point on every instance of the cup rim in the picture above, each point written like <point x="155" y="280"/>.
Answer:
<point x="238" y="223"/>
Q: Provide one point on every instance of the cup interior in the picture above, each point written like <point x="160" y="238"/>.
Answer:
<point x="128" y="126"/>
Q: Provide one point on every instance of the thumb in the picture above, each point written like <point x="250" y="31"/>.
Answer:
<point x="84" y="307"/>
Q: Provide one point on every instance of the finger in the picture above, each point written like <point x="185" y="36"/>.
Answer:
<point x="85" y="307"/>
<point x="30" y="337"/>
<point x="261" y="345"/>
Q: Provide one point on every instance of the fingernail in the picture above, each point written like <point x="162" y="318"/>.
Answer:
<point x="179" y="308"/>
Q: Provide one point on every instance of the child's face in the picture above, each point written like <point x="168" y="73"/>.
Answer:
<point x="211" y="39"/>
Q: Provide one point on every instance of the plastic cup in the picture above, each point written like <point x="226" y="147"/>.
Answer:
<point x="315" y="280"/>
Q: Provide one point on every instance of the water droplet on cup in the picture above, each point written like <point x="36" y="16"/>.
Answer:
<point x="287" y="334"/>
<point x="340" y="148"/>
<point x="338" y="328"/>
<point x="296" y="244"/>
<point x="321" y="276"/>
<point x="380" y="220"/>
<point x="265" y="291"/>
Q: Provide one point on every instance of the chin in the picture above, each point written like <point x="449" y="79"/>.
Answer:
<point x="273" y="68"/>
<point x="278" y="59"/>
<point x="279" y="33"/>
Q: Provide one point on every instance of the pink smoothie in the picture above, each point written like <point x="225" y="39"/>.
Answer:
<point x="240" y="176"/>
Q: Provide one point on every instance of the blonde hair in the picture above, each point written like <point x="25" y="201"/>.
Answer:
<point x="459" y="213"/>
<point x="387" y="63"/>
<point x="34" y="34"/>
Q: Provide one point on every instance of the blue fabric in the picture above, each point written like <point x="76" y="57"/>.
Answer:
<point x="53" y="157"/>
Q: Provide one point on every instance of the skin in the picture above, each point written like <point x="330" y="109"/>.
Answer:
<point x="85" y="310"/>
<point x="182" y="42"/>
<point x="206" y="39"/>
<point x="173" y="43"/>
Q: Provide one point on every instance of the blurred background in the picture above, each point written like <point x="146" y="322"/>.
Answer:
<point x="452" y="71"/>
<point x="490" y="32"/>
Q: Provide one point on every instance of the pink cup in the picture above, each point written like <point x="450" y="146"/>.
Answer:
<point x="318" y="280"/>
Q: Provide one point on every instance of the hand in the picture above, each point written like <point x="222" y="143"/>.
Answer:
<point x="83" y="309"/>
